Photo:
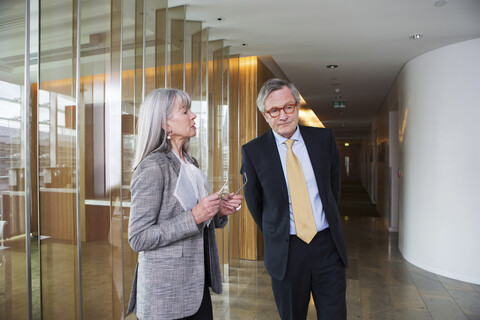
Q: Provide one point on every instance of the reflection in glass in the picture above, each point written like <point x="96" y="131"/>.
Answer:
<point x="198" y="92"/>
<point x="126" y="50"/>
<point x="56" y="171"/>
<point x="13" y="277"/>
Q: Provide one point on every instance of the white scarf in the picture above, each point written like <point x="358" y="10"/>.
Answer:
<point x="192" y="185"/>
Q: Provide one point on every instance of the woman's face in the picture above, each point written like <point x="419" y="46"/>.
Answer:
<point x="181" y="123"/>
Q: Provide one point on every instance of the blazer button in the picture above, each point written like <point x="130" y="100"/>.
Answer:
<point x="287" y="240"/>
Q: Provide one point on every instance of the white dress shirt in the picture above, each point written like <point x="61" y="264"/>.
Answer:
<point x="301" y="152"/>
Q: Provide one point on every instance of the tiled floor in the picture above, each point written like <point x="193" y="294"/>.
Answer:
<point x="380" y="284"/>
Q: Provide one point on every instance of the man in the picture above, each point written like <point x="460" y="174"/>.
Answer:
<point x="292" y="193"/>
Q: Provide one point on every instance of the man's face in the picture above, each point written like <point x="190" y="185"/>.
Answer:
<point x="285" y="124"/>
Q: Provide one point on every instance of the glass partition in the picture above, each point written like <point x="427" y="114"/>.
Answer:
<point x="13" y="103"/>
<point x="176" y="45"/>
<point x="220" y="144"/>
<point x="155" y="44"/>
<point x="56" y="165"/>
<point x="81" y="147"/>
<point x="131" y="99"/>
<point x="196" y="86"/>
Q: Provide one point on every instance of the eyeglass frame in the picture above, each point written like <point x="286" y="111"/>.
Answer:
<point x="225" y="195"/>
<point x="294" y="105"/>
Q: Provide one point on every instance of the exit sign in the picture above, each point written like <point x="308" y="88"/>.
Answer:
<point x="339" y="104"/>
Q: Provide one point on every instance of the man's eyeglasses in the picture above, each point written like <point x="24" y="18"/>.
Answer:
<point x="225" y="195"/>
<point x="275" y="112"/>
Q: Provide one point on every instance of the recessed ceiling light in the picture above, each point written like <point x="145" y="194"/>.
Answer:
<point x="332" y="66"/>
<point x="440" y="3"/>
<point x="244" y="44"/>
<point x="220" y="19"/>
<point x="416" y="36"/>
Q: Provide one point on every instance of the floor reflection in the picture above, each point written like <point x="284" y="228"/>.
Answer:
<point x="380" y="284"/>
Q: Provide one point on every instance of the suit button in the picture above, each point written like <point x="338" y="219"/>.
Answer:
<point x="286" y="240"/>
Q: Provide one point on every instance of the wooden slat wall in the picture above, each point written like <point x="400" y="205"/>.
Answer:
<point x="253" y="74"/>
<point x="248" y="131"/>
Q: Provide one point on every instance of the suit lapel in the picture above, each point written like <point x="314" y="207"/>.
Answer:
<point x="174" y="162"/>
<point x="275" y="168"/>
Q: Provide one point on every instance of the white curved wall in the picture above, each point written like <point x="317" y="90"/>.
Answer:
<point x="439" y="133"/>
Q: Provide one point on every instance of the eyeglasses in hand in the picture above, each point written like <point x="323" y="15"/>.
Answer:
<point x="226" y="196"/>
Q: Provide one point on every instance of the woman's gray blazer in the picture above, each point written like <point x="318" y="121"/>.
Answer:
<point x="170" y="274"/>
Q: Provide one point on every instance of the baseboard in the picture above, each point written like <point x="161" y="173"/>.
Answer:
<point x="441" y="272"/>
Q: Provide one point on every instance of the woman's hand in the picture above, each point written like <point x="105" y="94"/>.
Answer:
<point x="207" y="208"/>
<point x="230" y="203"/>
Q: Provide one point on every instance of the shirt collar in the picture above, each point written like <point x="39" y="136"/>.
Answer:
<point x="297" y="136"/>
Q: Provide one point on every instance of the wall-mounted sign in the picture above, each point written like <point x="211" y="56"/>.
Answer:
<point x="339" y="104"/>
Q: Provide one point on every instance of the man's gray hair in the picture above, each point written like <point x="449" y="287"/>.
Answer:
<point x="154" y="112"/>
<point x="273" y="85"/>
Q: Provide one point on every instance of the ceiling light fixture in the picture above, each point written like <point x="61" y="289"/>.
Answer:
<point x="416" y="36"/>
<point x="244" y="44"/>
<point x="332" y="66"/>
<point x="220" y="19"/>
<point x="440" y="3"/>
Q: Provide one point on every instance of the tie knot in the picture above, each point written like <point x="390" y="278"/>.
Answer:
<point x="289" y="143"/>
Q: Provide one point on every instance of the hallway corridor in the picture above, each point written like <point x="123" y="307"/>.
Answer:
<point x="380" y="283"/>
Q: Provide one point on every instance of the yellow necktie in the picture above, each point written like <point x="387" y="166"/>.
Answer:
<point x="302" y="209"/>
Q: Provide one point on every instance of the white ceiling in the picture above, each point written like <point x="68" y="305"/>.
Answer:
<point x="368" y="40"/>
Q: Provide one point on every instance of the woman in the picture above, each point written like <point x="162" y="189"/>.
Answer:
<point x="172" y="216"/>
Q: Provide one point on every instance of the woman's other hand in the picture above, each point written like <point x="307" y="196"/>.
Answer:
<point x="207" y="208"/>
<point x="230" y="203"/>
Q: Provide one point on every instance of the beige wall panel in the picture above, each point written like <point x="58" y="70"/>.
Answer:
<point x="248" y="230"/>
<point x="253" y="74"/>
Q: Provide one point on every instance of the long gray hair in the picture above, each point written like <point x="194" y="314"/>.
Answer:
<point x="273" y="85"/>
<point x="154" y="112"/>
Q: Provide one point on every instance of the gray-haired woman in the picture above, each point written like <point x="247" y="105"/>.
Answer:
<point x="172" y="216"/>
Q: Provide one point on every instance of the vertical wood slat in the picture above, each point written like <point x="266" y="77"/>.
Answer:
<point x="253" y="73"/>
<point x="248" y="131"/>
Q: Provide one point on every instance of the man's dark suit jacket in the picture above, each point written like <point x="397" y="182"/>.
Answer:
<point x="267" y="196"/>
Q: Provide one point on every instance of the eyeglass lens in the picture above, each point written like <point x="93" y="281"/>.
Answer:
<point x="275" y="112"/>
